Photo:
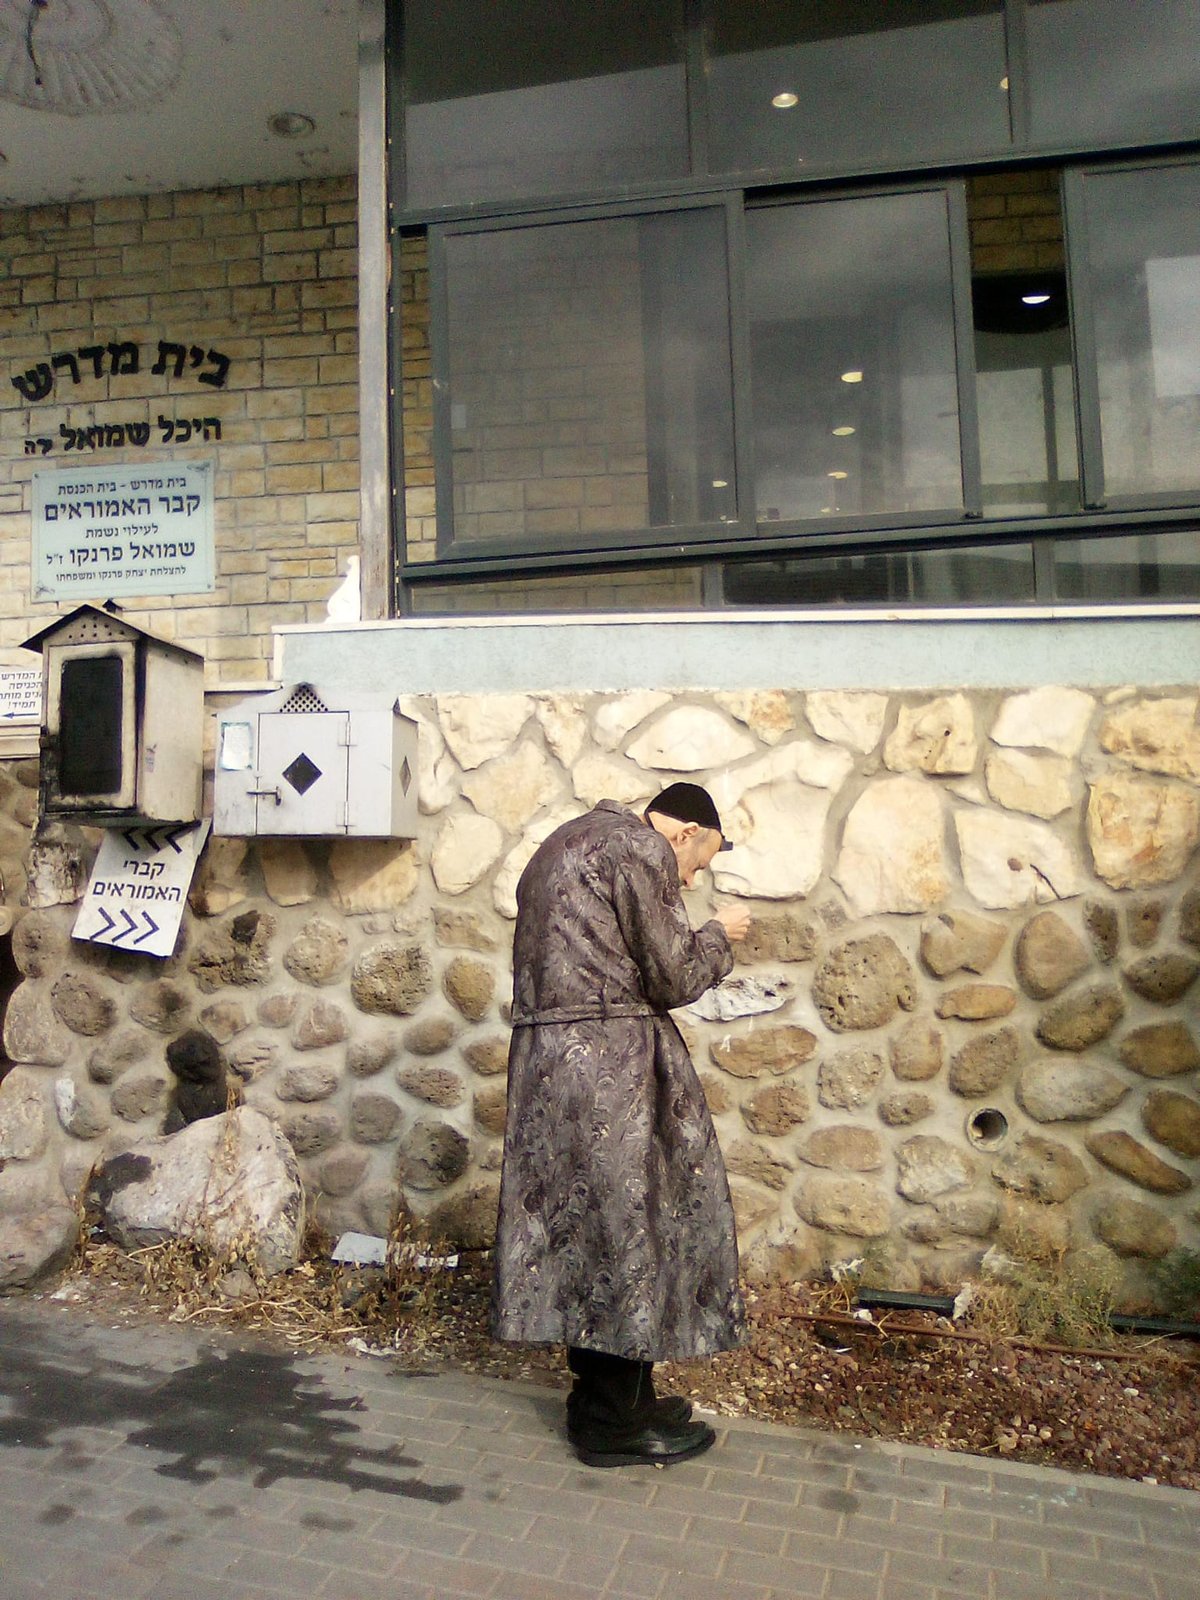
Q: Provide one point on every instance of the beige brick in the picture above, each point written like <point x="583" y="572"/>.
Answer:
<point x="340" y="475"/>
<point x="330" y="507"/>
<point x="293" y="480"/>
<point x="332" y="397"/>
<point x="338" y="369"/>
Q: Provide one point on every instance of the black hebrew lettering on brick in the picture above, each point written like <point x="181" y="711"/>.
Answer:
<point x="174" y="352"/>
<point x="66" y="358"/>
<point x="35" y="384"/>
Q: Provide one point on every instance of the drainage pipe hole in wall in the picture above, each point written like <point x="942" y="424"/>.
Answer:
<point x="988" y="1128"/>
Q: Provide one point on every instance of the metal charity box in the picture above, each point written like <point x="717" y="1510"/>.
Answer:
<point x="123" y="722"/>
<point x="318" y="762"/>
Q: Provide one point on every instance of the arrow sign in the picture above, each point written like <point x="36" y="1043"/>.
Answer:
<point x="139" y="887"/>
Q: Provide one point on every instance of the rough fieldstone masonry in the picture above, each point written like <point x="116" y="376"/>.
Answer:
<point x="973" y="1026"/>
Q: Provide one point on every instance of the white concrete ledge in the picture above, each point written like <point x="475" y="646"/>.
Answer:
<point x="1092" y="647"/>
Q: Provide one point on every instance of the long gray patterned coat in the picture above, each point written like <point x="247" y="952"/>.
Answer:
<point x="615" y="1229"/>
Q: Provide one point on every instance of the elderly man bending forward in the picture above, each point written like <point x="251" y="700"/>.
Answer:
<point x="616" y="1234"/>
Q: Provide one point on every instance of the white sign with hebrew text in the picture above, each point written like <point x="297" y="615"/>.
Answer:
<point x="100" y="531"/>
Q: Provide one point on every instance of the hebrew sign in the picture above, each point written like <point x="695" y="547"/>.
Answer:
<point x="101" y="531"/>
<point x="138" y="886"/>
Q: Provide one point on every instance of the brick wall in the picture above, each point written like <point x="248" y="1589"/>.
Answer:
<point x="266" y="274"/>
<point x="1015" y="221"/>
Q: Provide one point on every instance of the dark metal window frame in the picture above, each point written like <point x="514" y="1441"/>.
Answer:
<point x="1098" y="517"/>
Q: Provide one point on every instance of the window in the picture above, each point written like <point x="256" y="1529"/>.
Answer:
<point x="1112" y="71"/>
<point x="506" y="100"/>
<point x="701" y="302"/>
<point x="1138" y="265"/>
<point x="852" y="359"/>
<point x="587" y="385"/>
<point x="802" y="84"/>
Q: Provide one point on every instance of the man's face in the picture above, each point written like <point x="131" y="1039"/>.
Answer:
<point x="694" y="850"/>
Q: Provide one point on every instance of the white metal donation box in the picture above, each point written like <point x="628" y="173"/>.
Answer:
<point x="307" y="761"/>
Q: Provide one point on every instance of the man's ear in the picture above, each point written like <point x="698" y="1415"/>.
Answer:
<point x="689" y="830"/>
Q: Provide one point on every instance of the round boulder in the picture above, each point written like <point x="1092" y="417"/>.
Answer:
<point x="391" y="978"/>
<point x="863" y="983"/>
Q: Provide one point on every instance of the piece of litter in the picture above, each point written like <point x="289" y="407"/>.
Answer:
<point x="360" y="1250"/>
<point x="962" y="1301"/>
<point x="365" y="1349"/>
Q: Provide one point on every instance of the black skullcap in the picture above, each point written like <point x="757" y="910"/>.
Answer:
<point x="688" y="802"/>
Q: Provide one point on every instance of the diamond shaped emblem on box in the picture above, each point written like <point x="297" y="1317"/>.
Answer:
<point x="302" y="774"/>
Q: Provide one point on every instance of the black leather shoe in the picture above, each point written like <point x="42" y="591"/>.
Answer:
<point x="672" y="1410"/>
<point x="658" y="1444"/>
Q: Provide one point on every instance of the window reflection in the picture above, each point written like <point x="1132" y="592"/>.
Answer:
<point x="1143" y="277"/>
<point x="1163" y="566"/>
<point x="981" y="574"/>
<point x="546" y="99"/>
<point x="589" y="377"/>
<point x="853" y="358"/>
<point x="628" y="589"/>
<point x="797" y="84"/>
<point x="1108" y="71"/>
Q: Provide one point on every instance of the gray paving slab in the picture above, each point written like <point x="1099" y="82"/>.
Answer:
<point x="159" y="1460"/>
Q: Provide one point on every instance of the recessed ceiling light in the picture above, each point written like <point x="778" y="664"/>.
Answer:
<point x="842" y="433"/>
<point x="720" y="483"/>
<point x="837" y="474"/>
<point x="291" y="125"/>
<point x="1004" y="84"/>
<point x="1034" y="299"/>
<point x="853" y="376"/>
<point x="785" y="100"/>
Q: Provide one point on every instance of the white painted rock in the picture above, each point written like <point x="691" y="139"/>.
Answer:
<point x="743" y="997"/>
<point x="35" y="1244"/>
<point x="463" y="852"/>
<point x="1157" y="736"/>
<point x="1049" y="718"/>
<point x="1008" y="861"/>
<point x="893" y="854"/>
<point x="478" y="727"/>
<point x="514" y="786"/>
<point x="854" y="718"/>
<point x="214" y="1182"/>
<point x="621" y="715"/>
<point x="690" y="739"/>
<point x="1141" y="831"/>
<point x="782" y="843"/>
<point x="938" y="737"/>
<point x="1022" y="781"/>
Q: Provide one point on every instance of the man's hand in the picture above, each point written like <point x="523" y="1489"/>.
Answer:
<point x="736" y="922"/>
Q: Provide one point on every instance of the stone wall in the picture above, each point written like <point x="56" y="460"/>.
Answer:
<point x="266" y="274"/>
<point x="965" y="1016"/>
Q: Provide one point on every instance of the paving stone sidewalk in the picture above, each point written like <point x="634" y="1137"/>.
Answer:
<point x="160" y="1461"/>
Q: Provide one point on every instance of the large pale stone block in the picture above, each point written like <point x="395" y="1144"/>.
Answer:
<point x="478" y="727"/>
<point x="800" y="760"/>
<point x="564" y="723"/>
<point x="1049" y="718"/>
<point x="464" y="850"/>
<point x="690" y="739"/>
<point x="1008" y="861"/>
<point x="1020" y="781"/>
<point x="504" y="890"/>
<point x="938" y="737"/>
<point x="216" y="1181"/>
<point x="781" y="847"/>
<point x="24" y="1126"/>
<point x="289" y="877"/>
<point x="1141" y="831"/>
<point x="892" y="856"/>
<point x="621" y="715"/>
<point x="599" y="777"/>
<point x="437" y="771"/>
<point x="513" y="787"/>
<point x="847" y="717"/>
<point x="220" y="880"/>
<point x="1157" y="736"/>
<point x="765" y="712"/>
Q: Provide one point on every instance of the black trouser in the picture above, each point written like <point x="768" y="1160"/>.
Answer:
<point x="611" y="1395"/>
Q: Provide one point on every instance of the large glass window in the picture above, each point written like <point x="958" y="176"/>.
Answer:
<point x="587" y="386"/>
<point x="798" y="84"/>
<point x="505" y="101"/>
<point x="1000" y="574"/>
<point x="1112" y="71"/>
<point x="852" y="355"/>
<point x="1138" y="271"/>
<point x="1143" y="566"/>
